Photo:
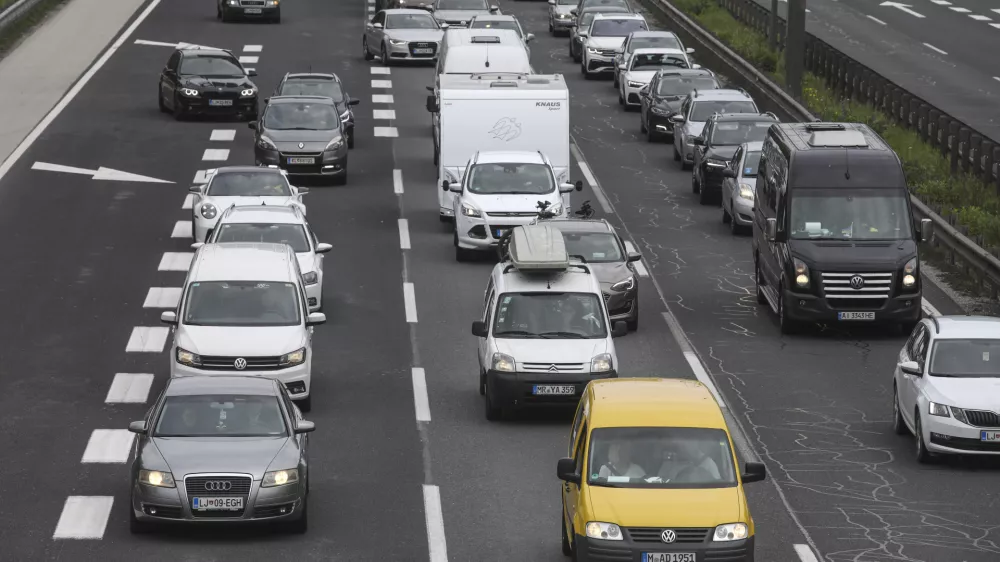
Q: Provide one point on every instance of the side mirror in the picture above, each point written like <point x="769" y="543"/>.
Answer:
<point x="197" y="245"/>
<point x="529" y="37"/>
<point x="634" y="256"/>
<point x="429" y="88"/>
<point x="432" y="104"/>
<point x="677" y="118"/>
<point x="444" y="24"/>
<point x="455" y="188"/>
<point x="168" y="317"/>
<point x="252" y="125"/>
<point x="301" y="190"/>
<point x="911" y="368"/>
<point x="578" y="185"/>
<point x="323" y="248"/>
<point x="552" y="2"/>
<point x="353" y="102"/>
<point x="753" y="472"/>
<point x="315" y="319"/>
<point x="695" y="66"/>
<point x="479" y="329"/>
<point x="926" y="229"/>
<point x="573" y="11"/>
<point x="251" y="72"/>
<point x="566" y="471"/>
<point x="620" y="329"/>
<point x="699" y="141"/>
<point x="138" y="427"/>
<point x="567" y="188"/>
<point x="689" y="50"/>
<point x="304" y="426"/>
<point x="728" y="173"/>
<point x="771" y="230"/>
<point x="377" y="25"/>
<point x="445" y="185"/>
<point x="195" y="189"/>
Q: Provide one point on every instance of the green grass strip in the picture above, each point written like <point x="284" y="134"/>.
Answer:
<point x="14" y="33"/>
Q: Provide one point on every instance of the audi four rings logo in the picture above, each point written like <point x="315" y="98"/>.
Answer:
<point x="668" y="536"/>
<point x="857" y="282"/>
<point x="218" y="485"/>
<point x="240" y="364"/>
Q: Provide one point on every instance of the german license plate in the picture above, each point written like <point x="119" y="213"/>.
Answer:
<point x="217" y="504"/>
<point x="989" y="435"/>
<point x="855" y="316"/>
<point x="301" y="160"/>
<point x="251" y="10"/>
<point x="668" y="557"/>
<point x="499" y="232"/>
<point x="422" y="51"/>
<point x="220" y="102"/>
<point x="550" y="389"/>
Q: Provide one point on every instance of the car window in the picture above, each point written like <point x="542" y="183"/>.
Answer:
<point x="380" y="18"/>
<point x="550" y="315"/>
<point x="174" y="60"/>
<point x="914" y="336"/>
<point x="654" y="42"/>
<point x="292" y="234"/>
<point x="495" y="24"/>
<point x="865" y="214"/>
<point x="210" y="66"/>
<point x="304" y="116"/>
<point x="738" y="132"/>
<point x="703" y="110"/>
<point x="219" y="415"/>
<point x="488" y="310"/>
<point x="919" y="353"/>
<point x="750" y="164"/>
<point x="462" y="5"/>
<point x="248" y="184"/>
<point x="654" y="61"/>
<point x="298" y="87"/>
<point x="566" y="2"/>
<point x="966" y="358"/>
<point x="616" y="27"/>
<point x="579" y="455"/>
<point x="410" y="21"/>
<point x="660" y="457"/>
<point x="242" y="303"/>
<point x="594" y="247"/>
<point x="683" y="85"/>
<point x="502" y="178"/>
<point x="577" y="422"/>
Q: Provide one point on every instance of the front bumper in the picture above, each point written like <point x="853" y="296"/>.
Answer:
<point x="742" y="211"/>
<point x="660" y="124"/>
<point x="558" y="23"/>
<point x="623" y="306"/>
<point x="297" y="379"/>
<point x="804" y="307"/>
<point x="324" y="163"/>
<point x="950" y="436"/>
<point x="475" y="233"/>
<point x="173" y="505"/>
<point x="712" y="179"/>
<point x="252" y="11"/>
<point x="203" y="105"/>
<point x="599" y="63"/>
<point x="596" y="550"/>
<point x="631" y="96"/>
<point x="413" y="50"/>
<point x="515" y="389"/>
<point x="314" y="295"/>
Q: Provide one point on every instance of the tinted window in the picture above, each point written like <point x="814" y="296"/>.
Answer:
<point x="510" y="178"/>
<point x="503" y="24"/>
<point x="566" y="2"/>
<point x="248" y="184"/>
<point x="684" y="85"/>
<point x="739" y="132"/>
<point x="242" y="303"/>
<point x="594" y="247"/>
<point x="326" y="88"/>
<point x="549" y="315"/>
<point x="654" y="42"/>
<point x="301" y="116"/>
<point x="603" y="3"/>
<point x="865" y="214"/>
<point x="702" y="110"/>
<point x="221" y="416"/>
<point x="462" y="5"/>
<point x="616" y="28"/>
<point x="966" y="358"/>
<point x="750" y="164"/>
<point x="654" y="61"/>
<point x="660" y="457"/>
<point x="209" y="65"/>
<point x="292" y="234"/>
<point x="410" y="21"/>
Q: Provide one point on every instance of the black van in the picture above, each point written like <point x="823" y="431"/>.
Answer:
<point x="834" y="238"/>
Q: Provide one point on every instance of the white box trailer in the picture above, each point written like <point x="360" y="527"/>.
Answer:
<point x="500" y="112"/>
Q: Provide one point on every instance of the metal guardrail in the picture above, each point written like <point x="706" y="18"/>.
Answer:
<point x="953" y="138"/>
<point x="14" y="12"/>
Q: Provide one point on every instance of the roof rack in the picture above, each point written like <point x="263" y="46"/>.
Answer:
<point x="538" y="248"/>
<point x="485" y="39"/>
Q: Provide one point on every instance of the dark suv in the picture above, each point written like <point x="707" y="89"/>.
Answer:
<point x="723" y="134"/>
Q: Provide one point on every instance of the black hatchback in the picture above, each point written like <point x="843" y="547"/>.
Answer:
<point x="200" y="81"/>
<point x="663" y="97"/>
<point x="714" y="149"/>
<point x="326" y="85"/>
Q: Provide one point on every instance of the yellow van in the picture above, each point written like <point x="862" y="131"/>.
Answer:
<point x="652" y="477"/>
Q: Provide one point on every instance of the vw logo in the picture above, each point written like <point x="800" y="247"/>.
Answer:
<point x="857" y="282"/>
<point x="668" y="536"/>
<point x="553" y="369"/>
<point x="302" y="145"/>
<point x="218" y="485"/>
<point x="240" y="364"/>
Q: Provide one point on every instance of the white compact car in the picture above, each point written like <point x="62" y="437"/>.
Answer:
<point x="239" y="185"/>
<point x="243" y="311"/>
<point x="641" y="66"/>
<point x="604" y="40"/>
<point x="698" y="106"/>
<point x="501" y="190"/>
<point x="946" y="387"/>
<point x="277" y="225"/>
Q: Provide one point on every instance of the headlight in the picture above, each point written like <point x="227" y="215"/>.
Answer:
<point x="563" y="16"/>
<point x="189" y="92"/>
<point x="555" y="209"/>
<point x="716" y="164"/>
<point x="272" y="3"/>
<point x="280" y="477"/>
<point x="234" y="2"/>
<point x="503" y="362"/>
<point x="601" y="363"/>
<point x="296" y="357"/>
<point x="660" y="111"/>
<point x="209" y="211"/>
<point x="604" y="531"/>
<point x="731" y="532"/>
<point x="156" y="478"/>
<point x="336" y="144"/>
<point x="249" y="92"/>
<point x="935" y="409"/>
<point x="470" y="211"/>
<point x="626" y="285"/>
<point x="311" y="278"/>
<point x="397" y="42"/>
<point x="910" y="273"/>
<point x="801" y="273"/>
<point x="746" y="191"/>
<point x="266" y="143"/>
<point x="592" y="50"/>
<point x="346" y="116"/>
<point x="634" y="84"/>
<point x="185" y="357"/>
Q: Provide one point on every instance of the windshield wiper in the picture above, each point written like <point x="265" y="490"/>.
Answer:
<point x="290" y="128"/>
<point x="515" y="333"/>
<point x="554" y="335"/>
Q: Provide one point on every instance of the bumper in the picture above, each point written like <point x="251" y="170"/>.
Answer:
<point x="949" y="436"/>
<point x="623" y="306"/>
<point x="631" y="93"/>
<point x="562" y="24"/>
<point x="324" y="163"/>
<point x="594" y="550"/>
<point x="202" y="106"/>
<point x="810" y="308"/>
<point x="687" y="152"/>
<point x="600" y="64"/>
<point x="411" y="51"/>
<point x="481" y="233"/>
<point x="712" y="181"/>
<point x="203" y="226"/>
<point x="314" y="295"/>
<point x="742" y="211"/>
<point x="297" y="379"/>
<point x="660" y="124"/>
<point x="172" y="505"/>
<point x="253" y="12"/>
<point x="515" y="389"/>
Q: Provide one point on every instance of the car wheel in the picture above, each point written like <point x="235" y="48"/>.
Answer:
<point x="734" y="227"/>
<point x="159" y="101"/>
<point x="364" y="49"/>
<point x="305" y="404"/>
<point x="492" y="412"/>
<point x="633" y="324"/>
<point x="482" y="382"/>
<point x="726" y="217"/>
<point x="761" y="299"/>
<point x="642" y="122"/>
<point x="461" y="254"/>
<point x="898" y="424"/>
<point x="621" y="100"/>
<point x="179" y="113"/>
<point x="703" y="197"/>
<point x="695" y="188"/>
<point x="551" y="29"/>
<point x="385" y="57"/>
<point x="301" y="525"/>
<point x="350" y="139"/>
<point x="567" y="549"/>
<point x="923" y="455"/>
<point x="677" y="155"/>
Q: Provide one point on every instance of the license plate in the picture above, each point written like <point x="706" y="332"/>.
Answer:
<point x="989" y="435"/>
<point x="217" y="504"/>
<point x="422" y="51"/>
<point x="855" y="316"/>
<point x="301" y="160"/>
<point x="668" y="557"/>
<point x="220" y="102"/>
<point x="498" y="233"/>
<point x="251" y="10"/>
<point x="547" y="389"/>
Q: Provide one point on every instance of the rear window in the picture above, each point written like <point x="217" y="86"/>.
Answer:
<point x="616" y="28"/>
<point x="654" y="42"/>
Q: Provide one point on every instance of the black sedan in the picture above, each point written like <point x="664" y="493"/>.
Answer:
<point x="206" y="82"/>
<point x="302" y="135"/>
<point x="714" y="149"/>
<point x="327" y="85"/>
<point x="229" y="10"/>
<point x="663" y="96"/>
<point x="221" y="449"/>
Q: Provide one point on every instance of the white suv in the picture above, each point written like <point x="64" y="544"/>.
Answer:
<point x="697" y="108"/>
<point x="243" y="311"/>
<point x="502" y="190"/>
<point x="945" y="387"/>
<point x="239" y="185"/>
<point x="604" y="40"/>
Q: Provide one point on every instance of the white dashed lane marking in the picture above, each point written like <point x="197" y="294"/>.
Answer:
<point x="410" y="302"/>
<point x="129" y="388"/>
<point x="933" y="48"/>
<point x="805" y="553"/>
<point x="223" y="135"/>
<point x="421" y="404"/>
<point x="386" y="132"/>
<point x="381" y="70"/>
<point x="216" y="154"/>
<point x="147" y="339"/>
<point x="188" y="201"/>
<point x="978" y="17"/>
<point x="381" y="83"/>
<point x="404" y="234"/>
<point x="182" y="229"/>
<point x="246" y="59"/>
<point x="176" y="261"/>
<point x="108" y="446"/>
<point x="84" y="517"/>
<point x="162" y="297"/>
<point x="381" y="98"/>
<point x="876" y="20"/>
<point x="996" y="25"/>
<point x="397" y="182"/>
<point x="252" y="48"/>
<point x="384" y="113"/>
<point x="640" y="267"/>
<point x="437" y="546"/>
<point x="942" y="2"/>
<point x="960" y="10"/>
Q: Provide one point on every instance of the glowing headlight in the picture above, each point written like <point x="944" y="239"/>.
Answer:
<point x="910" y="273"/>
<point x="249" y="92"/>
<point x="336" y="144"/>
<point x="746" y="191"/>
<point x="156" y="478"/>
<point x="310" y="278"/>
<point x="717" y="164"/>
<point x="280" y="478"/>
<point x="801" y="273"/>
<point x="209" y="211"/>
<point x="266" y="143"/>
<point x="397" y="42"/>
<point x="271" y="3"/>
<point x="185" y="357"/>
<point x="470" y="211"/>
<point x="592" y="50"/>
<point x="626" y="285"/>
<point x="562" y="16"/>
<point x="731" y="532"/>
<point x="296" y="357"/>
<point x="503" y="362"/>
<point x="345" y="115"/>
<point x="189" y="92"/>
<point x="604" y="531"/>
<point x="940" y="410"/>
<point x="234" y="2"/>
<point x="601" y="363"/>
<point x="634" y="84"/>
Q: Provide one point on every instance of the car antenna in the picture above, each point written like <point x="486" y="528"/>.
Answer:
<point x="487" y="55"/>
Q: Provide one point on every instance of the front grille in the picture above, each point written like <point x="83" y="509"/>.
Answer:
<point x="260" y="512"/>
<point x="457" y="23"/>
<point x="195" y="486"/>
<point x="652" y="534"/>
<point x="222" y="363"/>
<point x="607" y="52"/>
<point x="980" y="418"/>
<point x="217" y="95"/>
<point x="251" y="3"/>
<point x="633" y="98"/>
<point x="856" y="290"/>
<point x="512" y="214"/>
<point x="547" y="367"/>
<point x="423" y="45"/>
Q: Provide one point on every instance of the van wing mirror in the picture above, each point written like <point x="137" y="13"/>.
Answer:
<point x="168" y="317"/>
<point x="754" y="472"/>
<point x="926" y="229"/>
<point x="729" y="172"/>
<point x="910" y="368"/>
<point x="445" y="185"/>
<point x="566" y="471"/>
<point x="432" y="104"/>
<point x="304" y="426"/>
<point x="772" y="230"/>
<point x="479" y="329"/>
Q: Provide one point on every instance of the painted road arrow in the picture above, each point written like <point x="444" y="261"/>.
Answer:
<point x="101" y="173"/>
<point x="174" y="45"/>
<point x="902" y="7"/>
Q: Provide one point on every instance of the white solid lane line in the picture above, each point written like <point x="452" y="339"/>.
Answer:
<point x="410" y="302"/>
<point x="129" y="388"/>
<point x="162" y="297"/>
<point x="404" y="234"/>
<point x="942" y="2"/>
<point x="421" y="404"/>
<point x="381" y="70"/>
<point x="249" y="60"/>
<point x="805" y="553"/>
<point x="381" y="83"/>
<point x="182" y="229"/>
<point x="108" y="446"/>
<point x="252" y="48"/>
<point x="188" y="201"/>
<point x="84" y="517"/>
<point x="386" y="132"/>
<point x="147" y="339"/>
<point x="876" y="20"/>
<point x="223" y="134"/>
<point x="996" y="25"/>
<point x="381" y="98"/>
<point x="176" y="261"/>
<point x="436" y="544"/>
<point x="216" y="154"/>
<point x="932" y="47"/>
<point x="384" y="114"/>
<point x="397" y="182"/>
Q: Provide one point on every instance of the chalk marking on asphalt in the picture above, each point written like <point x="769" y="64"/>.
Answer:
<point x="216" y="154"/>
<point x="433" y="515"/>
<point x="384" y="114"/>
<point x="421" y="404"/>
<point x="382" y="98"/>
<point x="188" y="201"/>
<point x="223" y="135"/>
<point x="147" y="339"/>
<point x="100" y="174"/>
<point x="876" y="20"/>
<point x="201" y="176"/>
<point x="978" y="17"/>
<point x="84" y="517"/>
<point x="162" y="297"/>
<point x="410" y="302"/>
<point x="602" y="199"/>
<point x="380" y="70"/>
<point x="386" y="132"/>
<point x="175" y="261"/>
<point x="111" y="446"/>
<point x="381" y="83"/>
<point x="932" y="47"/>
<point x="805" y="553"/>
<point x="129" y="388"/>
<point x="639" y="266"/>
<point x="960" y="10"/>
<point x="182" y="229"/>
<point x="181" y="45"/>
<point x="397" y="182"/>
<point x="246" y="59"/>
<point x="404" y="234"/>
<point x="252" y="48"/>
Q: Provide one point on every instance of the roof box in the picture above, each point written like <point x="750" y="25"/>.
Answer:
<point x="538" y="249"/>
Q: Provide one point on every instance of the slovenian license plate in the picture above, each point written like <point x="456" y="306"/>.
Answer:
<point x="301" y="160"/>
<point x="498" y="233"/>
<point x="989" y="435"/>
<point x="548" y="389"/>
<point x="251" y="10"/>
<point x="220" y="102"/>
<point x="855" y="316"/>
<point x="217" y="504"/>
<point x="668" y="557"/>
<point x="422" y="51"/>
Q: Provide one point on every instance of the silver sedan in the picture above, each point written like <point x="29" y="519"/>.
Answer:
<point x="221" y="449"/>
<point x="739" y="187"/>
<point x="402" y="35"/>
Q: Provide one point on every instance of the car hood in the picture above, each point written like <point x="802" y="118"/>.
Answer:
<point x="307" y="261"/>
<point x="672" y="103"/>
<point x="234" y="341"/>
<point x="312" y="141"/>
<point x="189" y="455"/>
<point x="513" y="203"/>
<point x="644" y="507"/>
<point x="605" y="42"/>
<point x="643" y="76"/>
<point x="551" y="350"/>
<point x="849" y="256"/>
<point x="610" y="273"/>
<point x="694" y="128"/>
<point x="967" y="393"/>
<point x="225" y="202"/>
<point x="723" y="152"/>
<point x="226" y="83"/>
<point x="459" y="15"/>
<point x="432" y="35"/>
<point x="562" y="9"/>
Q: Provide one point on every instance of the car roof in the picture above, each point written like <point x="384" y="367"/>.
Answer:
<point x="653" y="402"/>
<point x="245" y="169"/>
<point x="743" y="117"/>
<point x="243" y="261"/>
<point x="608" y="9"/>
<point x="966" y="327"/>
<point x="755" y="146"/>
<point x="314" y="75"/>
<point x="510" y="156"/>
<point x="199" y="51"/>
<point x="494" y="17"/>
<point x="719" y="93"/>
<point x="412" y="11"/>
<point x="652" y="33"/>
<point x="270" y="214"/>
<point x="579" y="225"/>
<point x="622" y="16"/>
<point x="687" y="72"/>
<point x="572" y="280"/>
<point x="300" y="99"/>
<point x="221" y="384"/>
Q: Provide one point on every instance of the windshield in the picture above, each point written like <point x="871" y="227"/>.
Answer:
<point x="739" y="132"/>
<point x="248" y="184"/>
<point x="301" y="116"/>
<point x="603" y="3"/>
<point x="501" y="24"/>
<point x="654" y="42"/>
<point x="660" y="457"/>
<point x="750" y="164"/>
<point x="292" y="234"/>
<point x="549" y="315"/>
<point x="534" y="179"/>
<point x="206" y="65"/>
<point x="221" y="416"/>
<point x="702" y="110"/>
<point x="858" y="214"/>
<point x="567" y="2"/>
<point x="653" y="61"/>
<point x="462" y="5"/>
<point x="593" y="247"/>
<point x="242" y="303"/>
<point x="683" y="85"/>
<point x="326" y="88"/>
<point x="966" y="358"/>
<point x="616" y="28"/>
<point x="410" y="21"/>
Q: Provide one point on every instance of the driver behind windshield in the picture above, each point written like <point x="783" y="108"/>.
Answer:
<point x="686" y="459"/>
<point x="619" y="462"/>
<point x="736" y="133"/>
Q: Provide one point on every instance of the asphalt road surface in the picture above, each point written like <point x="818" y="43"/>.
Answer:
<point x="399" y="472"/>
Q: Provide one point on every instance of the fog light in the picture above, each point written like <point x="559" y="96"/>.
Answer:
<point x="908" y="303"/>
<point x="152" y="511"/>
<point x="802" y="280"/>
<point x="802" y="303"/>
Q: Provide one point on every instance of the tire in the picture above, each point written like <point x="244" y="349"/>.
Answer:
<point x="727" y="218"/>
<point x="252" y="116"/>
<point x="923" y="455"/>
<point x="898" y="423"/>
<point x="761" y="299"/>
<point x="305" y="404"/>
<point x="364" y="49"/>
<point x="567" y="548"/>
<point x="159" y="101"/>
<point x="633" y="324"/>
<point x="179" y="113"/>
<point x="350" y="139"/>
<point x="734" y="227"/>
<point x="677" y="155"/>
<point x="703" y="197"/>
<point x="906" y="328"/>
<point x="621" y="100"/>
<point x="642" y="124"/>
<point x="491" y="411"/>
<point x="385" y="57"/>
<point x="615" y="82"/>
<point x="695" y="188"/>
<point x="301" y="525"/>
<point x="482" y="382"/>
